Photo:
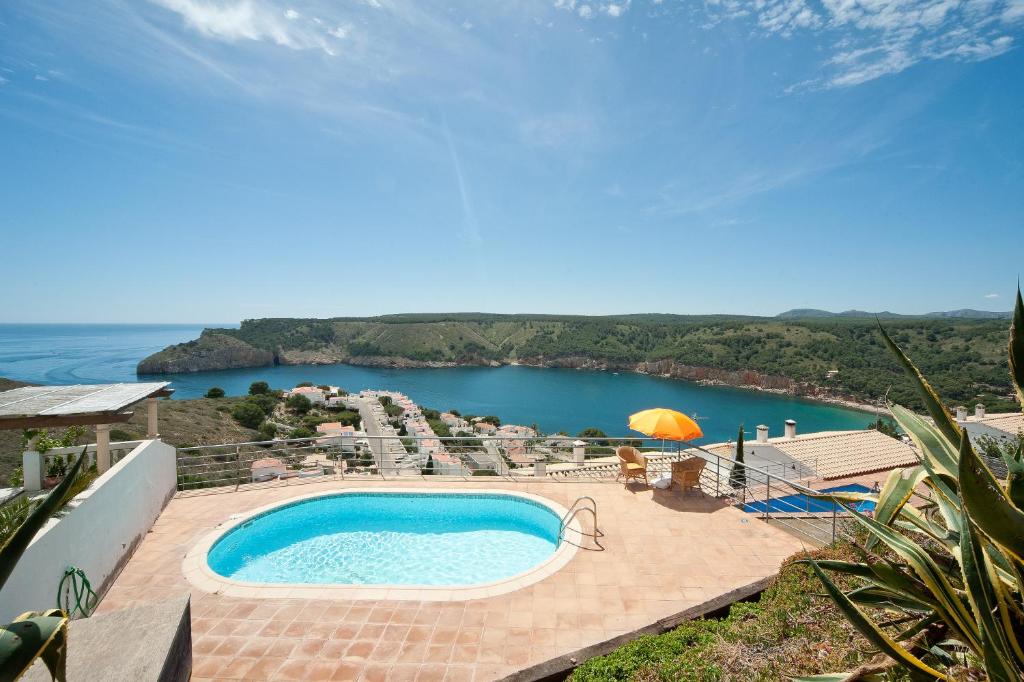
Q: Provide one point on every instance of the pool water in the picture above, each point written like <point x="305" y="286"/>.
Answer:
<point x="390" y="539"/>
<point x="802" y="503"/>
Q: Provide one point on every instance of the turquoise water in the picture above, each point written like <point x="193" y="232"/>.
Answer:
<point x="802" y="503"/>
<point x="556" y="399"/>
<point x="390" y="539"/>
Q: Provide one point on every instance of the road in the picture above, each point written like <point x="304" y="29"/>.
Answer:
<point x="383" y="448"/>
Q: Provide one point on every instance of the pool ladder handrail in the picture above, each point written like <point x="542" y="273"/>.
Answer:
<point x="574" y="509"/>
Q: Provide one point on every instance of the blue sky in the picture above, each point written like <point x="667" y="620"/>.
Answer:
<point x="196" y="160"/>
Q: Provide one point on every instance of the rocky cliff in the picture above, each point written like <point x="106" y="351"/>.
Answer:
<point x="209" y="352"/>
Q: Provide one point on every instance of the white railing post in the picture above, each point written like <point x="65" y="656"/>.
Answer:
<point x="102" y="447"/>
<point x="540" y="469"/>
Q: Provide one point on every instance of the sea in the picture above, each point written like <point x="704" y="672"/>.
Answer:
<point x="556" y="400"/>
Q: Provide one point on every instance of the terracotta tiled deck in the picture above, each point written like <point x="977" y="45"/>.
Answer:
<point x="665" y="552"/>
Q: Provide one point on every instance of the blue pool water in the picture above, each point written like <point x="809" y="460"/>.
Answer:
<point x="390" y="539"/>
<point x="803" y="503"/>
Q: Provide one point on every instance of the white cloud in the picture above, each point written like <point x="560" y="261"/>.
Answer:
<point x="616" y="9"/>
<point x="3" y="81"/>
<point x="873" y="38"/>
<point x="991" y="295"/>
<point x="340" y="32"/>
<point x="585" y="11"/>
<point x="235" y="20"/>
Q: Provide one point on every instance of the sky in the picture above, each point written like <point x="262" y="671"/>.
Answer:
<point x="218" y="160"/>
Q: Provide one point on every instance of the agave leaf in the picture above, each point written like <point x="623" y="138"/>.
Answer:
<point x="948" y="603"/>
<point x="887" y="599"/>
<point x="988" y="505"/>
<point x="939" y="414"/>
<point x="32" y="635"/>
<point x="898" y="488"/>
<point x="1010" y="617"/>
<point x="917" y="627"/>
<point x="836" y="677"/>
<point x="16" y="545"/>
<point x="872" y="632"/>
<point x="885" y="577"/>
<point x="931" y="442"/>
<point x="912" y="519"/>
<point x="981" y="594"/>
<point x="1017" y="347"/>
<point x="946" y="501"/>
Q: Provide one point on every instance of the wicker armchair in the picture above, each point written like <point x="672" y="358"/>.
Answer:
<point x="687" y="472"/>
<point x="631" y="464"/>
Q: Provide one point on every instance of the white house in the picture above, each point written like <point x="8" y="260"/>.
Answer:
<point x="314" y="394"/>
<point x="267" y="469"/>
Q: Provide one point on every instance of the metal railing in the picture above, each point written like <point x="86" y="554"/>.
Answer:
<point x="764" y="493"/>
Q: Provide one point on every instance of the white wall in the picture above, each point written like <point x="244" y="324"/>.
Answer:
<point x="98" y="531"/>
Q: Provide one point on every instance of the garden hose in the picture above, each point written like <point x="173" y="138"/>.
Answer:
<point x="74" y="583"/>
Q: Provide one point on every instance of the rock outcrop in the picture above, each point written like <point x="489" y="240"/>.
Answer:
<point x="210" y="351"/>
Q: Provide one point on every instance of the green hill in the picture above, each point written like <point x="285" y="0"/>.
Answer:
<point x="964" y="357"/>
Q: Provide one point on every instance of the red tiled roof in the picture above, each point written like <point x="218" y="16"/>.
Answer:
<point x="838" y="454"/>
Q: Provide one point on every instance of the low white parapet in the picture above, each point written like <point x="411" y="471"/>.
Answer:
<point x="97" y="532"/>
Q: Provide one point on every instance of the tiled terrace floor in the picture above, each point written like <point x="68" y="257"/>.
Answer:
<point x="665" y="552"/>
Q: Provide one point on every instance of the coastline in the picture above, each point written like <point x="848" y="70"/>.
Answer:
<point x="703" y="376"/>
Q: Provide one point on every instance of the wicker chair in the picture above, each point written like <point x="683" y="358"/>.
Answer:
<point x="687" y="472"/>
<point x="631" y="464"/>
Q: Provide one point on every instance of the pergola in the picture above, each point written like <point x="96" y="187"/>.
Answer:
<point x="96" y="405"/>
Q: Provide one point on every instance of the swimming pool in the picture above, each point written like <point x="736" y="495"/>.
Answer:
<point x="795" y="504"/>
<point x="389" y="538"/>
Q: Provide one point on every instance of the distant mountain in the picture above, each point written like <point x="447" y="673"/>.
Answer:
<point x="971" y="314"/>
<point x="962" y="314"/>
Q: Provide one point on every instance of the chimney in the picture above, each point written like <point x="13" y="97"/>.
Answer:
<point x="961" y="413"/>
<point x="979" y="411"/>
<point x="762" y="433"/>
<point x="790" y="428"/>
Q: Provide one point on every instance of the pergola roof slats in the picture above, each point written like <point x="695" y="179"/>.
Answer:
<point x="78" y="404"/>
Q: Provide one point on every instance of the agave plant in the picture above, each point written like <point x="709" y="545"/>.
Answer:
<point x="948" y="575"/>
<point x="35" y="634"/>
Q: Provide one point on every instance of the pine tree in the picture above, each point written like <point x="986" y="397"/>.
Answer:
<point x="738" y="475"/>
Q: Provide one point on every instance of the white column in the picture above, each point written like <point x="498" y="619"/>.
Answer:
<point x="540" y="469"/>
<point x="102" y="447"/>
<point x="32" y="471"/>
<point x="579" y="450"/>
<point x="151" y="409"/>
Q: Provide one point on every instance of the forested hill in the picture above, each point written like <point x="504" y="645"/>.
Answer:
<point x="965" y="358"/>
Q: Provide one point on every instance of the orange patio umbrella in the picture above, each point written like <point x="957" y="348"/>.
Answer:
<point x="665" y="424"/>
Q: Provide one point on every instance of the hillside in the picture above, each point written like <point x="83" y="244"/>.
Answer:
<point x="963" y="313"/>
<point x="964" y="357"/>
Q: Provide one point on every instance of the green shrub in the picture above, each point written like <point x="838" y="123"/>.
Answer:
<point x="259" y="388"/>
<point x="265" y="401"/>
<point x="267" y="431"/>
<point x="302" y="432"/>
<point x="216" y="392"/>
<point x="118" y="435"/>
<point x="248" y="414"/>
<point x="298" y="404"/>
